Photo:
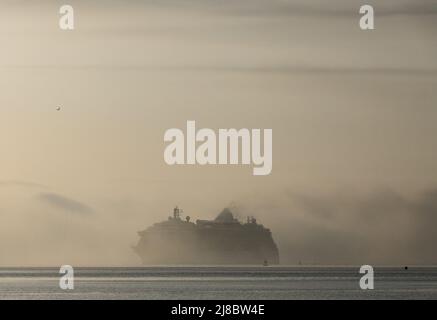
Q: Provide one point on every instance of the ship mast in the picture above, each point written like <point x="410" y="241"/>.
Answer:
<point x="177" y="213"/>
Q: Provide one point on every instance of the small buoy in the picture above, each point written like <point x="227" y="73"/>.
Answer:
<point x="58" y="108"/>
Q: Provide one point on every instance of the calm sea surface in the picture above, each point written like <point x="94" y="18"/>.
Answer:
<point x="219" y="283"/>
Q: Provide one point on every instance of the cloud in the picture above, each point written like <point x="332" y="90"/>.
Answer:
<point x="319" y="8"/>
<point x="66" y="204"/>
<point x="20" y="183"/>
<point x="281" y="69"/>
<point x="335" y="9"/>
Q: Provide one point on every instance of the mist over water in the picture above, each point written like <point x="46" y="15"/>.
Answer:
<point x="377" y="227"/>
<point x="344" y="228"/>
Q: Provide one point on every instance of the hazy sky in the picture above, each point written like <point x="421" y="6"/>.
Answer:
<point x="353" y="115"/>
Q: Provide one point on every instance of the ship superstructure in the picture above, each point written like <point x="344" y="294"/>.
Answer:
<point x="224" y="240"/>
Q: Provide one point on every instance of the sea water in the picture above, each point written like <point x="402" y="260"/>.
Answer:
<point x="239" y="282"/>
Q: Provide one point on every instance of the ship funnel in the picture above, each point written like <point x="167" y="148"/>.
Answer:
<point x="225" y="216"/>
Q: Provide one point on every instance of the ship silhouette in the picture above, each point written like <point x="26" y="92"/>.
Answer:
<point x="224" y="240"/>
